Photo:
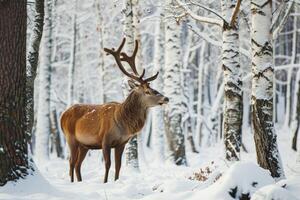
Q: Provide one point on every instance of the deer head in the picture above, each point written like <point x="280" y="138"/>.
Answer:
<point x="138" y="84"/>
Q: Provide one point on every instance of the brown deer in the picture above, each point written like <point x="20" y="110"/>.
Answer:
<point x="110" y="125"/>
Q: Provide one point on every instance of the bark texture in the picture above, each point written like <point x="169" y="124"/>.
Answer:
<point x="172" y="87"/>
<point x="43" y="127"/>
<point x="296" y="120"/>
<point x="32" y="62"/>
<point x="72" y="63"/>
<point x="13" y="139"/>
<point x="262" y="88"/>
<point x="233" y="98"/>
<point x="129" y="32"/>
<point x="157" y="112"/>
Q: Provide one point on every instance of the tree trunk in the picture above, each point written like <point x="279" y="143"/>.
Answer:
<point x="296" y="117"/>
<point x="13" y="138"/>
<point x="199" y="121"/>
<point x="268" y="156"/>
<point x="43" y="127"/>
<point x="131" y="150"/>
<point x="172" y="86"/>
<point x="296" y="113"/>
<point x="55" y="134"/>
<point x="100" y="29"/>
<point x="32" y="62"/>
<point x="71" y="71"/>
<point x="233" y="98"/>
<point x="158" y="126"/>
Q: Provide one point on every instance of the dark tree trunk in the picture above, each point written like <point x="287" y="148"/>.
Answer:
<point x="55" y="135"/>
<point x="13" y="139"/>
<point x="294" y="141"/>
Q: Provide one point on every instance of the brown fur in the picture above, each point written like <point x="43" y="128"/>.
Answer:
<point x="106" y="126"/>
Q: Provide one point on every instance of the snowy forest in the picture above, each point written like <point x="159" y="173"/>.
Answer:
<point x="150" y="99"/>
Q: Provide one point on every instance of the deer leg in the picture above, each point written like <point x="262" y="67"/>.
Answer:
<point x="106" y="155"/>
<point x="81" y="155"/>
<point x="118" y="159"/>
<point x="73" y="158"/>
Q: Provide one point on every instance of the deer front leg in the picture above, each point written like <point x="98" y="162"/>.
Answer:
<point x="106" y="154"/>
<point x="118" y="159"/>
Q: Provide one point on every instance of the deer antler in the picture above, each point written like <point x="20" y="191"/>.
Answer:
<point x="131" y="59"/>
<point x="122" y="56"/>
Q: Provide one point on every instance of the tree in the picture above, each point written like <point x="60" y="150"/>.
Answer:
<point x="72" y="61"/>
<point x="130" y="32"/>
<point x="233" y="98"/>
<point x="157" y="113"/>
<point x="262" y="88"/>
<point x="13" y="139"/>
<point x="172" y="87"/>
<point x="43" y="127"/>
<point x="32" y="61"/>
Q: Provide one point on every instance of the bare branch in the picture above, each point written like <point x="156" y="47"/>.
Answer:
<point x="281" y="17"/>
<point x="208" y="9"/>
<point x="197" y="17"/>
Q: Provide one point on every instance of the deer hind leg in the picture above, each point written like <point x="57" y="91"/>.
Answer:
<point x="118" y="159"/>
<point x="81" y="155"/>
<point x="73" y="157"/>
<point x="106" y="154"/>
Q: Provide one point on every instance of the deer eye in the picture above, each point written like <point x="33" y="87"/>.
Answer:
<point x="147" y="92"/>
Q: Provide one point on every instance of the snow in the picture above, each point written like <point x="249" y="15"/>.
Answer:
<point x="283" y="190"/>
<point x="163" y="180"/>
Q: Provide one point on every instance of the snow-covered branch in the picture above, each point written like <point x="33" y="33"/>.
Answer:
<point x="208" y="20"/>
<point x="279" y="20"/>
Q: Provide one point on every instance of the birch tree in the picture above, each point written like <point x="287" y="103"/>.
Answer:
<point x="43" y="128"/>
<point x="157" y="112"/>
<point x="72" y="62"/>
<point x="100" y="29"/>
<point x="172" y="86"/>
<point x="32" y="61"/>
<point x="268" y="156"/>
<point x="129" y="32"/>
<point x="233" y="99"/>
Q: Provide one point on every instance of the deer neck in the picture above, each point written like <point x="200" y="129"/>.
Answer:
<point x="133" y="113"/>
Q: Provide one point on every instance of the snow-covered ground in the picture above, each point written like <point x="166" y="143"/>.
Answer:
<point x="165" y="181"/>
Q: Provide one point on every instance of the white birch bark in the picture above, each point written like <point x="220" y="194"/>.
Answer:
<point x="131" y="150"/>
<point x="43" y="113"/>
<point x="265" y="138"/>
<point x="32" y="62"/>
<point x="157" y="112"/>
<point x="290" y="69"/>
<point x="200" y="93"/>
<point x="172" y="87"/>
<point x="100" y="29"/>
<point x="233" y="98"/>
<point x="72" y="63"/>
<point x="296" y="114"/>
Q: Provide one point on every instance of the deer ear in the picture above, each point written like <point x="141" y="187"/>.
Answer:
<point x="132" y="84"/>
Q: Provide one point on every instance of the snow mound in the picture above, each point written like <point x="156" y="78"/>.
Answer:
<point x="240" y="181"/>
<point x="36" y="187"/>
<point x="283" y="190"/>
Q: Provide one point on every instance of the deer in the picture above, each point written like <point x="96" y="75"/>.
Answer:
<point x="110" y="125"/>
